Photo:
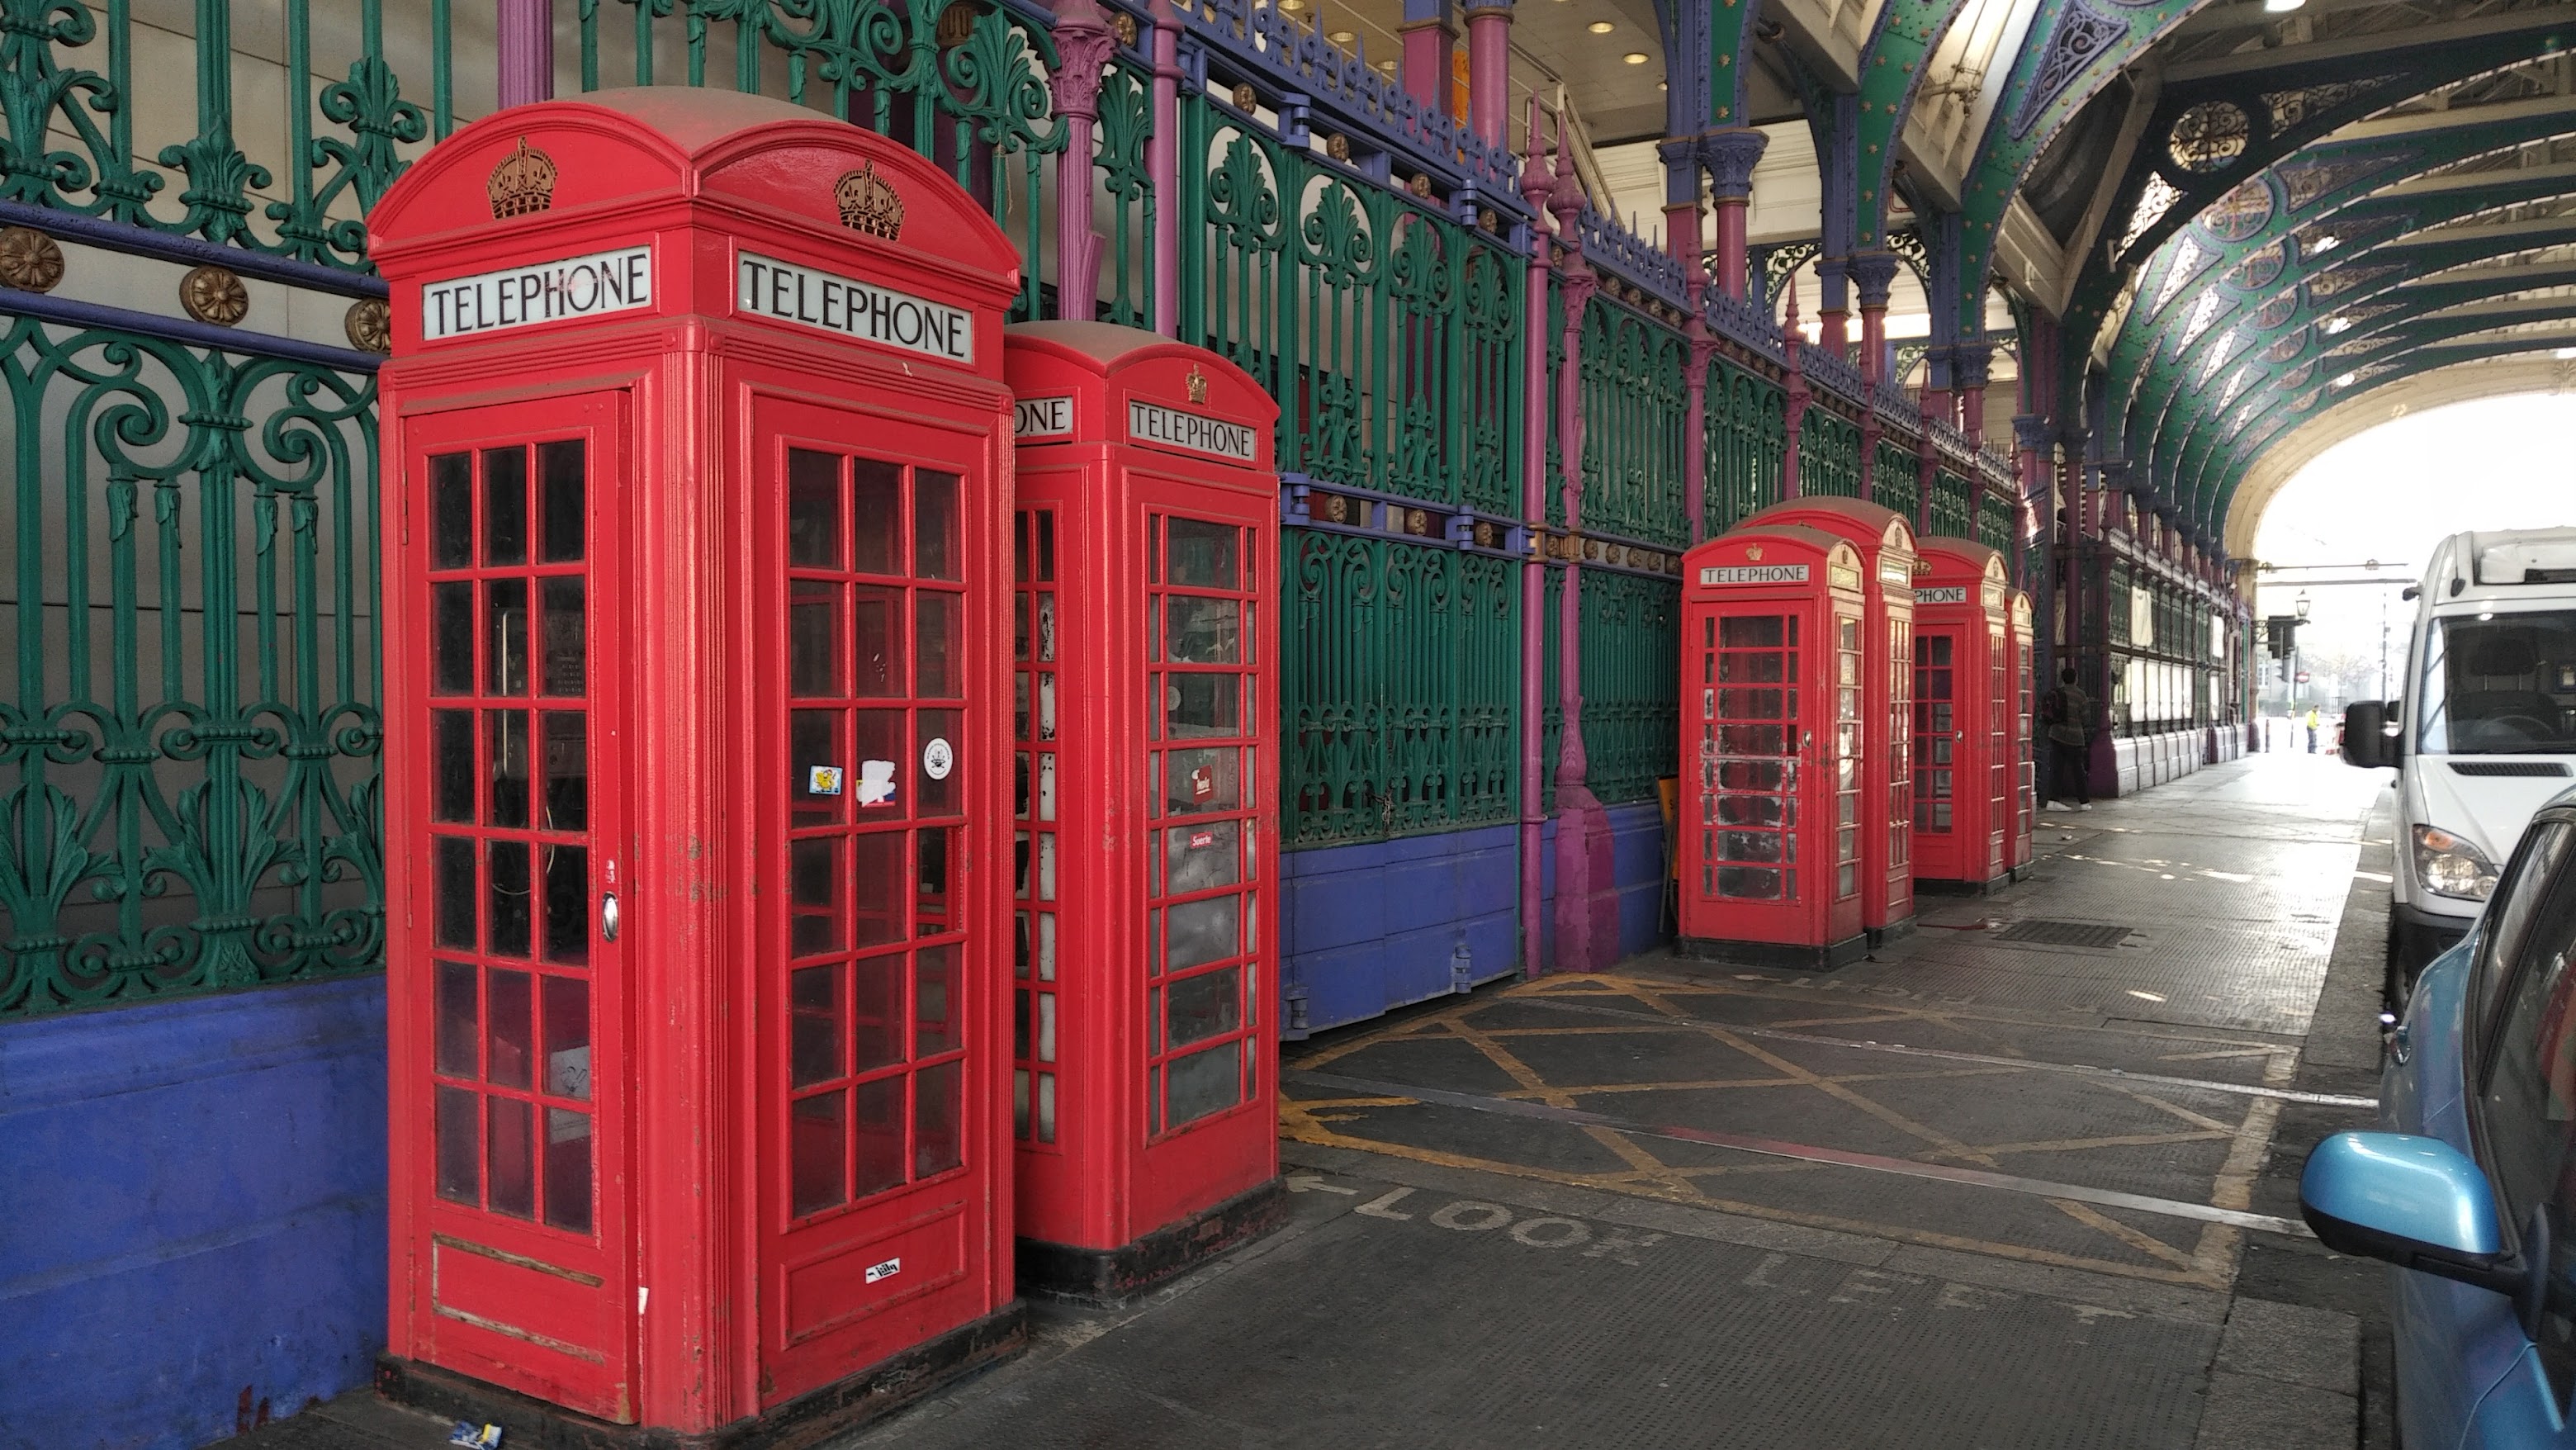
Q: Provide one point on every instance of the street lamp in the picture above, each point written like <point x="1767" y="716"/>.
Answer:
<point x="2301" y="605"/>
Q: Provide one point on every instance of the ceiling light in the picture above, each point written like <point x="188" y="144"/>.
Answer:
<point x="1291" y="5"/>
<point x="1339" y="37"/>
<point x="2323" y="245"/>
<point x="2344" y="382"/>
<point x="1387" y="66"/>
<point x="1601" y="27"/>
<point x="2565" y="354"/>
<point x="2281" y="7"/>
<point x="2337" y="324"/>
<point x="1635" y="57"/>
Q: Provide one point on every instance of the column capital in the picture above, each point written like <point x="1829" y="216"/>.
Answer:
<point x="1498" y="9"/>
<point x="1972" y="363"/>
<point x="2031" y="431"/>
<point x="1730" y="155"/>
<point x="1875" y="274"/>
<point x="1419" y="13"/>
<point x="1083" y="43"/>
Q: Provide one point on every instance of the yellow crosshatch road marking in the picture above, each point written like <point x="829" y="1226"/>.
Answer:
<point x="1339" y="1122"/>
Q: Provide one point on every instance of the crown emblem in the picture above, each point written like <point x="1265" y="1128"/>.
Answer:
<point x="1197" y="382"/>
<point x="1754" y="553"/>
<point x="523" y="184"/>
<point x="869" y="203"/>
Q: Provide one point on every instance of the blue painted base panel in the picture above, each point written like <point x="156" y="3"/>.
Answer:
<point x="194" y="1194"/>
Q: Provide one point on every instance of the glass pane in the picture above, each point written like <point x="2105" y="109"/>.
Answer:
<point x="815" y="1144"/>
<point x="819" y="780"/>
<point x="876" y="513"/>
<point x="452" y="887"/>
<point x="1046" y="1027"/>
<point x="1202" y="780"/>
<point x="931" y="910"/>
<point x="457" y="1025"/>
<point x="941" y="776"/>
<point x="879" y="750"/>
<point x="937" y="673"/>
<point x="1750" y="631"/>
<point x="509" y="1026"/>
<point x="451" y="639"/>
<point x="880" y="1134"/>
<point x="1206" y="1082"/>
<point x="566" y="637"/>
<point x="1201" y="705"/>
<point x="568" y="904"/>
<point x="1202" y="931"/>
<point x="1046" y="545"/>
<point x="451" y="511"/>
<point x="505" y="505"/>
<point x="1046" y="947"/>
<point x="880" y="905"/>
<point x="505" y="648"/>
<point x="1204" y="631"/>
<point x="562" y="503"/>
<point x="813" y="509"/>
<point x="813" y="1025"/>
<point x="1020" y="1022"/>
<point x="876" y="627"/>
<point x="1020" y="1102"/>
<point x="1046" y="1107"/>
<point x="1046" y="787"/>
<point x="567" y="1036"/>
<point x="459" y="1131"/>
<point x="937" y="1115"/>
<point x="876" y="1014"/>
<point x="934" y="525"/>
<point x="511" y="907"/>
<point x="568" y="1169"/>
<point x="1205" y="1006"/>
<point x="567" y="771"/>
<point x="1198" y="857"/>
<point x="935" y="1003"/>
<point x="813" y="638"/>
<point x="509" y="1156"/>
<point x="1203" y="554"/>
<point x="506" y="740"/>
<point x="451" y="765"/>
<point x="814" y="913"/>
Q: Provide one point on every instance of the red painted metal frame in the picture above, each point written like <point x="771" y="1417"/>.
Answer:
<point x="1886" y="544"/>
<point x="1970" y="752"/>
<point x="1116" y="1168"/>
<point x="1798" y="624"/>
<point x="2025" y="797"/>
<point x="694" y="1269"/>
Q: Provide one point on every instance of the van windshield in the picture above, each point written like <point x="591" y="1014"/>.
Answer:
<point x="2504" y="684"/>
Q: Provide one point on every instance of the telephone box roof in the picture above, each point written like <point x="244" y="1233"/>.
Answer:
<point x="1875" y="522"/>
<point x="1956" y="557"/>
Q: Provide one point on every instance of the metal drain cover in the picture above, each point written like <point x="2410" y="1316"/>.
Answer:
<point x="2064" y="934"/>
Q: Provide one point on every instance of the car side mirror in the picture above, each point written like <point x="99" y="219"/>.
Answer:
<point x="2366" y="741"/>
<point x="2420" y="1204"/>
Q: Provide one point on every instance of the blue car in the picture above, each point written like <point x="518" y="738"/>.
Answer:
<point x="2472" y="1194"/>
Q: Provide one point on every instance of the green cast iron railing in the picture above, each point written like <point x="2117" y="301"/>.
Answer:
<point x="1953" y="506"/>
<point x="1828" y="454"/>
<point x="1631" y="683"/>
<point x="1745" y="428"/>
<point x="1633" y="390"/>
<point x="1896" y="478"/>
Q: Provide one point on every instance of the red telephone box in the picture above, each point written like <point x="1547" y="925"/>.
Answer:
<point x="1775" y="658"/>
<point x="2025" y="797"/>
<point x="1146" y="820"/>
<point x="697" y="488"/>
<point x="1964" y="767"/>
<point x="1886" y="544"/>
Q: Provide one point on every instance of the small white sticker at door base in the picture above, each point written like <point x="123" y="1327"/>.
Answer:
<point x="937" y="759"/>
<point x="876" y="782"/>
<point x="886" y="1270"/>
<point x="823" y="780"/>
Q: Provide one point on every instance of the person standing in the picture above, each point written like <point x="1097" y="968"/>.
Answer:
<point x="2066" y="710"/>
<point x="2312" y="729"/>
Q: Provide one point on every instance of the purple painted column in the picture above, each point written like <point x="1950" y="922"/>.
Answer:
<point x="1083" y="44"/>
<point x="1587" y="896"/>
<point x="1489" y="61"/>
<point x="1730" y="156"/>
<point x="1833" y="307"/>
<point x="1163" y="164"/>
<point x="1535" y="184"/>
<point x="524" y="41"/>
<point x="1681" y="212"/>
<point x="1971" y="366"/>
<point x="1794" y="412"/>
<point x="1430" y="32"/>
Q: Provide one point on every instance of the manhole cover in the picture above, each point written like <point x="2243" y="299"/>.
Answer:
<point x="2064" y="934"/>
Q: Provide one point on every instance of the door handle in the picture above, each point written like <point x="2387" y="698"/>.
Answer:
<point x="608" y="916"/>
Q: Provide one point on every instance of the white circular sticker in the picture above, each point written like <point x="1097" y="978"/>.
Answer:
<point x="937" y="759"/>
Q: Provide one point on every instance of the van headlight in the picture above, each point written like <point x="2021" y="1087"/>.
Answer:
<point x="2449" y="865"/>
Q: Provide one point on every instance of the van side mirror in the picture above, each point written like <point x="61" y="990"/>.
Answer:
<point x="2420" y="1204"/>
<point x="2366" y="741"/>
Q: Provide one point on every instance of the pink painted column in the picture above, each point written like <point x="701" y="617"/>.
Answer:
<point x="524" y="43"/>
<point x="1429" y="33"/>
<point x="1730" y="156"/>
<point x="1535" y="185"/>
<point x="1875" y="275"/>
<point x="1833" y="319"/>
<point x="1926" y="474"/>
<point x="1489" y="61"/>
<point x="1794" y="412"/>
<point x="1083" y="44"/>
<point x="1703" y="346"/>
<point x="1971" y="364"/>
<point x="1163" y="165"/>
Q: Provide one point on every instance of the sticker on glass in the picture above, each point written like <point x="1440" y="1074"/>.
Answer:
<point x="886" y="1270"/>
<point x="1202" y="784"/>
<point x="1202" y="838"/>
<point x="937" y="759"/>
<point x="823" y="780"/>
<point x="876" y="782"/>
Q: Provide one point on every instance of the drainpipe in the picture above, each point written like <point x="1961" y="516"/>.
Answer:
<point x="1534" y="403"/>
<point x="524" y="43"/>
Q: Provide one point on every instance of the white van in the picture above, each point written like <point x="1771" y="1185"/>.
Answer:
<point x="2486" y="732"/>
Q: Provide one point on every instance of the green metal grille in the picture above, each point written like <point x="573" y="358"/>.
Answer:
<point x="1631" y="680"/>
<point x="1994" y="520"/>
<point x="1400" y="681"/>
<point x="1828" y="454"/>
<point x="1745" y="430"/>
<point x="1633" y="387"/>
<point x="192" y="743"/>
<point x="1952" y="505"/>
<point x="1896" y="478"/>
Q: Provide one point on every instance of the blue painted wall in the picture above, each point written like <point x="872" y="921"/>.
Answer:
<point x="1372" y="927"/>
<point x="192" y="1200"/>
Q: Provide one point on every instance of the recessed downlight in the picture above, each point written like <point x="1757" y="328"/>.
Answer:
<point x="1601" y="27"/>
<point x="1340" y="37"/>
<point x="1635" y="57"/>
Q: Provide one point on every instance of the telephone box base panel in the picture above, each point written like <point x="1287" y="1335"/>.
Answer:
<point x="1934" y="886"/>
<point x="1774" y="954"/>
<point x="828" y="1413"/>
<point x="1109" y="1278"/>
<point x="1880" y="936"/>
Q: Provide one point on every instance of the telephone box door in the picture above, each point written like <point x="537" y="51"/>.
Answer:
<point x="506" y="787"/>
<point x="1777" y="772"/>
<point x="2025" y="799"/>
<point x="877" y="1178"/>
<point x="1940" y="720"/>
